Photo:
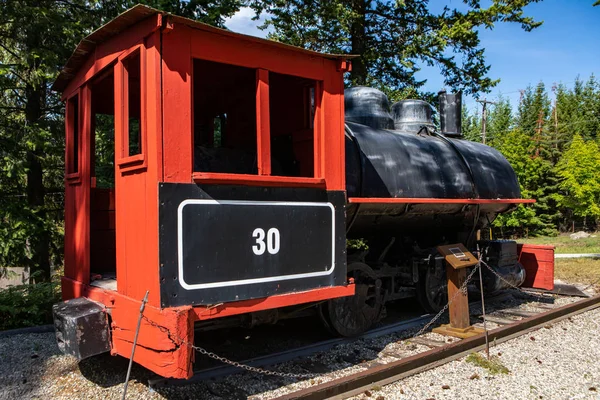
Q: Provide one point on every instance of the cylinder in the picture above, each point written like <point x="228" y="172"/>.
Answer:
<point x="368" y="106"/>
<point x="412" y="115"/>
<point x="450" y="113"/>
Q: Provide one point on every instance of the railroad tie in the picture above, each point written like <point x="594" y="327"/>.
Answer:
<point x="498" y="320"/>
<point x="427" y="342"/>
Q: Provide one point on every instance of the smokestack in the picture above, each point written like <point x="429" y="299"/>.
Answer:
<point x="451" y="113"/>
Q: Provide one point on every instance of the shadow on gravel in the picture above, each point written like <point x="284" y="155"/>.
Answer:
<point x="107" y="371"/>
<point x="240" y="344"/>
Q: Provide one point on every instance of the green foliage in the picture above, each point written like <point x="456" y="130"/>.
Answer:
<point x="28" y="305"/>
<point x="579" y="171"/>
<point x="533" y="173"/>
<point x="36" y="39"/>
<point x="471" y="125"/>
<point x="357" y="244"/>
<point x="394" y="39"/>
<point x="553" y="149"/>
<point x="493" y="365"/>
<point x="500" y="121"/>
<point x="31" y="128"/>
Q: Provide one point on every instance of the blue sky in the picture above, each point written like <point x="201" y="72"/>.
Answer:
<point x="565" y="46"/>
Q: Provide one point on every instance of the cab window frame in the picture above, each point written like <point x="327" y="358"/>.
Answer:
<point x="125" y="161"/>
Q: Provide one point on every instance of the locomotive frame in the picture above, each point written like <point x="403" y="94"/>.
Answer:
<point x="177" y="90"/>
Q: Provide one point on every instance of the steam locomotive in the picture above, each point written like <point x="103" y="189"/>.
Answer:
<point x="241" y="171"/>
<point x="432" y="182"/>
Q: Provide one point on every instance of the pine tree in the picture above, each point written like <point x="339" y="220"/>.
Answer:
<point x="532" y="173"/>
<point x="471" y="125"/>
<point x="590" y="109"/>
<point x="394" y="39"/>
<point x="500" y="121"/>
<point x="36" y="39"/>
<point x="579" y="171"/>
<point x="535" y="102"/>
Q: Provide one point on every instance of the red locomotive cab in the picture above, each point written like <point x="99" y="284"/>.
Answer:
<point x="199" y="167"/>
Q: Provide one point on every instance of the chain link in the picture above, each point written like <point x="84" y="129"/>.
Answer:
<point x="538" y="295"/>
<point x="463" y="290"/>
<point x="214" y="356"/>
<point x="224" y="360"/>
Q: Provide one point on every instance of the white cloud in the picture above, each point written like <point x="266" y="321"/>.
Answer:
<point x="242" y="22"/>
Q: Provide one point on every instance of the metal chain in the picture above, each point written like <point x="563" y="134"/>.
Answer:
<point x="463" y="290"/>
<point x="201" y="350"/>
<point x="226" y="360"/>
<point x="539" y="295"/>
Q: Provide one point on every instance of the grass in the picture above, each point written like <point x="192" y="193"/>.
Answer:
<point x="578" y="270"/>
<point x="565" y="245"/>
<point x="493" y="365"/>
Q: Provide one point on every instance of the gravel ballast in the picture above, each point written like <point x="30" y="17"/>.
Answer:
<point x="559" y="361"/>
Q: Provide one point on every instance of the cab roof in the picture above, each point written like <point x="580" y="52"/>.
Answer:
<point x="141" y="12"/>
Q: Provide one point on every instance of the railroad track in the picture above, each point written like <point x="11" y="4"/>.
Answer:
<point x="292" y="354"/>
<point x="323" y="346"/>
<point x="441" y="352"/>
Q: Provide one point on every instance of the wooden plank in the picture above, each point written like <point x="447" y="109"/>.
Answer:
<point x="518" y="313"/>
<point x="459" y="308"/>
<point x="263" y="123"/>
<point x="255" y="180"/>
<point x="428" y="342"/>
<point x="498" y="320"/>
<point x="177" y="107"/>
<point x="102" y="199"/>
<point x="102" y="220"/>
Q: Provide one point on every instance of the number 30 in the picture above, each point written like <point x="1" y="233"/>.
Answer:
<point x="273" y="241"/>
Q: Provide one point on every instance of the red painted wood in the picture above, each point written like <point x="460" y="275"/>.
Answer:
<point x="283" y="300"/>
<point x="252" y="40"/>
<point x="319" y="132"/>
<point x="161" y="345"/>
<point x="263" y="129"/>
<point x="137" y="185"/>
<point x="177" y="107"/>
<point x="154" y="110"/>
<point x="381" y="200"/>
<point x="538" y="261"/>
<point x="81" y="226"/>
<point x="107" y="53"/>
<point x="332" y="115"/>
<point x="238" y="50"/>
<point x="166" y="114"/>
<point x="255" y="180"/>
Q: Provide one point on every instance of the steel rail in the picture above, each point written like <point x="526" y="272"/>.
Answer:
<point x="289" y="355"/>
<point x="299" y="352"/>
<point x="380" y="375"/>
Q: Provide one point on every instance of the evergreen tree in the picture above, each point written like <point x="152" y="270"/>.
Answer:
<point x="36" y="39"/>
<point x="533" y="175"/>
<point x="579" y="171"/>
<point x="590" y="109"/>
<point x="534" y="107"/>
<point x="393" y="39"/>
<point x="471" y="125"/>
<point x="499" y="122"/>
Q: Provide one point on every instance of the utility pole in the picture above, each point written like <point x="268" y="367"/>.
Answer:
<point x="554" y="87"/>
<point x="484" y="103"/>
<point x="538" y="133"/>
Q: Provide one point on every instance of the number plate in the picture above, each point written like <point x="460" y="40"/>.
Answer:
<point x="220" y="243"/>
<point x="231" y="242"/>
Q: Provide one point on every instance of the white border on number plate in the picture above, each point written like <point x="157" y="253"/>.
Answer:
<point x="196" y="286"/>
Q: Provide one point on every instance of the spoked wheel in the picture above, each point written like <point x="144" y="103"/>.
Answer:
<point x="353" y="315"/>
<point x="432" y="291"/>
